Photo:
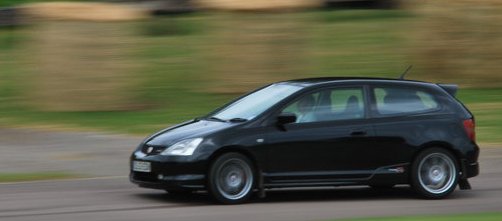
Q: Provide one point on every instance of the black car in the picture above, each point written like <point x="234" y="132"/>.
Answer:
<point x="318" y="132"/>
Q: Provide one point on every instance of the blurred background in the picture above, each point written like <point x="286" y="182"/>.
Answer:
<point x="138" y="66"/>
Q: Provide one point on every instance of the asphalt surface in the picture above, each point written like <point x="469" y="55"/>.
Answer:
<point x="112" y="197"/>
<point x="87" y="154"/>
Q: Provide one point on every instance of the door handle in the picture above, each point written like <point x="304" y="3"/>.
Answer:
<point x="358" y="133"/>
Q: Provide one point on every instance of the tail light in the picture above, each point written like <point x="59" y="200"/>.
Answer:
<point x="470" y="128"/>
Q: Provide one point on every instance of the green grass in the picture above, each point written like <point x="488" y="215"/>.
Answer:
<point x="486" y="105"/>
<point x="363" y="15"/>
<point x="176" y="55"/>
<point x="134" y="122"/>
<point x="8" y="3"/>
<point x="19" y="177"/>
<point x="461" y="217"/>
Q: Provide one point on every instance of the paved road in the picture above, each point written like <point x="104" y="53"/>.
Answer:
<point x="86" y="154"/>
<point x="114" y="198"/>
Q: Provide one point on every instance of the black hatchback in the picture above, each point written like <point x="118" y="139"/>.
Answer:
<point x="318" y="132"/>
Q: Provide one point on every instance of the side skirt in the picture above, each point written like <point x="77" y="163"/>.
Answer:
<point x="393" y="174"/>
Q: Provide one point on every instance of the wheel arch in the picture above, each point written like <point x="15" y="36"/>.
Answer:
<point x="442" y="145"/>
<point x="212" y="187"/>
<point x="439" y="144"/>
<point x="235" y="149"/>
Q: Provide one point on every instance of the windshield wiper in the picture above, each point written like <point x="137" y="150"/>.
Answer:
<point x="216" y="119"/>
<point x="233" y="120"/>
<point x="237" y="120"/>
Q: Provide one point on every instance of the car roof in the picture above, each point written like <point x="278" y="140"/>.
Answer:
<point x="306" y="82"/>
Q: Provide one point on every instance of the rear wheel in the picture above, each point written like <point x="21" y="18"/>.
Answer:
<point x="434" y="173"/>
<point x="231" y="178"/>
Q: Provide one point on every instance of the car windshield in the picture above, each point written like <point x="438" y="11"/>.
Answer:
<point x="252" y="105"/>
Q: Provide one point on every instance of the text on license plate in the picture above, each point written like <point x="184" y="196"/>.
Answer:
<point x="141" y="166"/>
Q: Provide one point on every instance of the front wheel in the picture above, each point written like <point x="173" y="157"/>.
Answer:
<point x="434" y="173"/>
<point x="231" y="178"/>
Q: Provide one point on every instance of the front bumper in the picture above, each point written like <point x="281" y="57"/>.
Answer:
<point x="151" y="180"/>
<point x="169" y="173"/>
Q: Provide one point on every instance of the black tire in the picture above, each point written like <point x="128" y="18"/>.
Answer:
<point x="434" y="173"/>
<point x="231" y="178"/>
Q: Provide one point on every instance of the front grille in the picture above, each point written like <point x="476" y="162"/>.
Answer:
<point x="145" y="177"/>
<point x="152" y="150"/>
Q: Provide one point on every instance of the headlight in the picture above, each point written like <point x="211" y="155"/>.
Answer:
<point x="182" y="148"/>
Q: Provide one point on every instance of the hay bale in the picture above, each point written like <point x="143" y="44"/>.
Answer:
<point x="250" y="50"/>
<point x="83" y="11"/>
<point x="82" y="66"/>
<point x="82" y="56"/>
<point x="459" y="41"/>
<point x="257" y="5"/>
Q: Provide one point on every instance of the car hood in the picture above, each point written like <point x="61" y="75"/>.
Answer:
<point x="190" y="129"/>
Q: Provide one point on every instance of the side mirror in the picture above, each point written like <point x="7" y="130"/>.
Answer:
<point x="286" y="118"/>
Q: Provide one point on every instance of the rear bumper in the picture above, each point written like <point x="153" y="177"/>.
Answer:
<point x="471" y="169"/>
<point x="469" y="162"/>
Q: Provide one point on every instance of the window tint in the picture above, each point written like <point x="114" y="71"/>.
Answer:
<point x="347" y="103"/>
<point x="327" y="105"/>
<point x="393" y="100"/>
<point x="303" y="108"/>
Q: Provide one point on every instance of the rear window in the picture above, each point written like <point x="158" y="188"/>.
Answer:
<point x="395" y="100"/>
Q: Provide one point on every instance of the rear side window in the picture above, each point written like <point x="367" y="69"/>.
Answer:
<point x="396" y="100"/>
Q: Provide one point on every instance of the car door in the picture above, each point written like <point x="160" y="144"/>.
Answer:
<point x="404" y="118"/>
<point x="330" y="142"/>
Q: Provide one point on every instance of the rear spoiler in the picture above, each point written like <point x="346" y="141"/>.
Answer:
<point x="450" y="88"/>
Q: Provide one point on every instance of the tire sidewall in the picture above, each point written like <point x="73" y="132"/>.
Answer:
<point x="211" y="181"/>
<point x="415" y="182"/>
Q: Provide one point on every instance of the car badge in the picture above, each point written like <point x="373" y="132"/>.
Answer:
<point x="149" y="150"/>
<point x="397" y="170"/>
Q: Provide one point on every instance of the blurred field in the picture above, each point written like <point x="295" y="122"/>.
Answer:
<point x="72" y="71"/>
<point x="258" y="4"/>
<point x="82" y="11"/>
<point x="21" y="177"/>
<point x="189" y="64"/>
<point x="10" y="3"/>
<point x="459" y="40"/>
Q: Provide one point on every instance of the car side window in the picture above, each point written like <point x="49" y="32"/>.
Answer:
<point x="304" y="108"/>
<point x="347" y="103"/>
<point x="328" y="105"/>
<point x="395" y="100"/>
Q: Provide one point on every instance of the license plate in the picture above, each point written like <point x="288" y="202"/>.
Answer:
<point x="141" y="166"/>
